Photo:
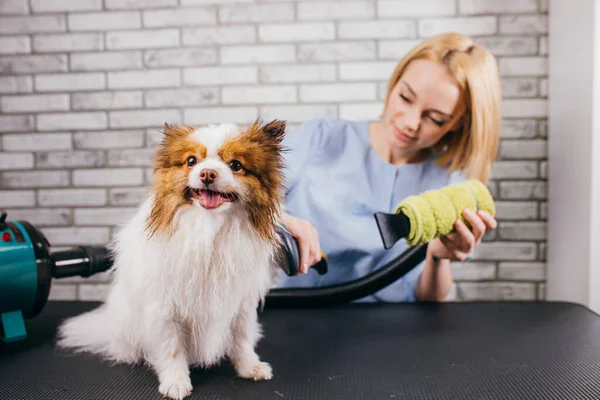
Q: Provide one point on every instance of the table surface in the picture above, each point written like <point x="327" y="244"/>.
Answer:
<point x="460" y="351"/>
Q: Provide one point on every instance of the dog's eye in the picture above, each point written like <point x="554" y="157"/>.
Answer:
<point x="235" y="165"/>
<point x="191" y="161"/>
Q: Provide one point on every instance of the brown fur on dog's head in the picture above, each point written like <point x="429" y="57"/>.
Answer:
<point x="248" y="164"/>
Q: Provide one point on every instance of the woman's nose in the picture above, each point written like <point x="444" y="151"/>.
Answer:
<point x="412" y="119"/>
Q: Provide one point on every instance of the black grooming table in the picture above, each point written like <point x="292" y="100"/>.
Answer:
<point x="427" y="351"/>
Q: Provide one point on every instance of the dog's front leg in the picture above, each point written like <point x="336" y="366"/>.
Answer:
<point x="246" y="332"/>
<point x="166" y="353"/>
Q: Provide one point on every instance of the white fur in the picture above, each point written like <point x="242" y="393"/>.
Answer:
<point x="213" y="136"/>
<point x="187" y="301"/>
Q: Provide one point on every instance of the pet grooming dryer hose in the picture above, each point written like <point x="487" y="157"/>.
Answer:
<point x="419" y="219"/>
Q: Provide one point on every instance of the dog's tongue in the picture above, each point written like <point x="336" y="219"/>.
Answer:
<point x="211" y="199"/>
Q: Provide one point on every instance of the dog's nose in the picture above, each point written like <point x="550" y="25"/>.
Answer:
<point x="208" y="176"/>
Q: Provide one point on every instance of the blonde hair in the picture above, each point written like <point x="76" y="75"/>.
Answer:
<point x="472" y="142"/>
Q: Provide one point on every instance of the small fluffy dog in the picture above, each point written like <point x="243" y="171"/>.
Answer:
<point x="195" y="261"/>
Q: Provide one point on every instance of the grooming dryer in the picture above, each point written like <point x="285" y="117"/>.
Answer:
<point x="27" y="267"/>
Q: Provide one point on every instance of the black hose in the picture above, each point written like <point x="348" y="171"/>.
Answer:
<point x="88" y="260"/>
<point x="349" y="291"/>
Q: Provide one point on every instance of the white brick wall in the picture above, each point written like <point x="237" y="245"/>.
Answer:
<point x="85" y="85"/>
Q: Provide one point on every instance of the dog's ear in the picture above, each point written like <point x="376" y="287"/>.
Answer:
<point x="172" y="131"/>
<point x="168" y="129"/>
<point x="275" y="129"/>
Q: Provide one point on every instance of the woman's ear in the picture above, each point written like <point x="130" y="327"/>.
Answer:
<point x="449" y="138"/>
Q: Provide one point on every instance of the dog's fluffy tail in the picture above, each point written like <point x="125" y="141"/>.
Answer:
<point x="89" y="332"/>
<point x="93" y="332"/>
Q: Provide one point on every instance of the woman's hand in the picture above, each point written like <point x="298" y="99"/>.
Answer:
<point x="308" y="240"/>
<point x="458" y="245"/>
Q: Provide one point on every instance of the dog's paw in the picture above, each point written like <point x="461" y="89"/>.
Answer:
<point x="176" y="387"/>
<point x="259" y="371"/>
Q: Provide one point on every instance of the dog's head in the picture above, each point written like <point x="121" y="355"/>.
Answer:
<point x="219" y="168"/>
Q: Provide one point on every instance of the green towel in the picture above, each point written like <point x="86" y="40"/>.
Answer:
<point x="433" y="213"/>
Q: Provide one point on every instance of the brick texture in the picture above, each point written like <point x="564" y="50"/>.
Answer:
<point x="86" y="85"/>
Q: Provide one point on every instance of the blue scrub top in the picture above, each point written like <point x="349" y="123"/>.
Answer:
<point x="336" y="181"/>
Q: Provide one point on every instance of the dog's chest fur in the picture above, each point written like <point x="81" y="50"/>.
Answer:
<point x="210" y="267"/>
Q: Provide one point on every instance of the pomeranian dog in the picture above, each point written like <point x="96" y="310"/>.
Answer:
<point x="193" y="264"/>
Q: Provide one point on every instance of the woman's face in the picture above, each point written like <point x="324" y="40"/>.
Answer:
<point x="420" y="107"/>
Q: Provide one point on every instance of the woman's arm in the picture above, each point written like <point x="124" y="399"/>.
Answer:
<point x="308" y="240"/>
<point x="435" y="281"/>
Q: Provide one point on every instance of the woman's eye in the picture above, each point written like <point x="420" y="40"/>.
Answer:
<point x="191" y="161"/>
<point x="235" y="165"/>
<point x="404" y="97"/>
<point x="437" y="121"/>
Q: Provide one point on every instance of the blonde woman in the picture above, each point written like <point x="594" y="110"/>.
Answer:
<point x="440" y="125"/>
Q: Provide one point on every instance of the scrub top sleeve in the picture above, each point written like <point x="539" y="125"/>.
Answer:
<point x="457" y="176"/>
<point x="299" y="145"/>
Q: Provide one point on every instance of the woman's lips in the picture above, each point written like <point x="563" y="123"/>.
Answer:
<point x="402" y="136"/>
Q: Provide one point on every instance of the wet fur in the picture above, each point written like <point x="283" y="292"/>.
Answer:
<point x="188" y="280"/>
